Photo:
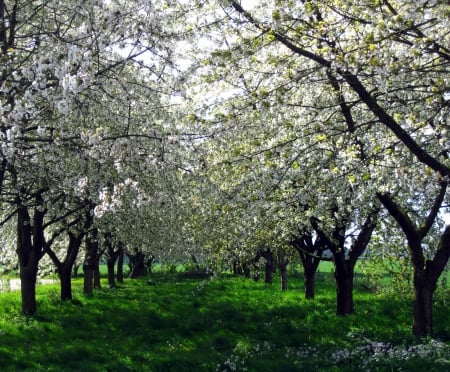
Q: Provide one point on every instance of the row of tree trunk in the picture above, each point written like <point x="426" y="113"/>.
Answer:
<point x="32" y="246"/>
<point x="311" y="247"/>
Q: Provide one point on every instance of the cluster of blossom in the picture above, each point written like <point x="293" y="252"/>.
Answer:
<point x="366" y="356"/>
<point x="372" y="352"/>
<point x="111" y="200"/>
<point x="233" y="363"/>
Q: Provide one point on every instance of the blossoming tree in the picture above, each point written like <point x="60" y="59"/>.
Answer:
<point x="370" y="74"/>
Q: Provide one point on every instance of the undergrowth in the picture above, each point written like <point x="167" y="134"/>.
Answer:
<point x="188" y="323"/>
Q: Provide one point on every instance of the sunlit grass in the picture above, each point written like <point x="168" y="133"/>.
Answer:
<point x="223" y="323"/>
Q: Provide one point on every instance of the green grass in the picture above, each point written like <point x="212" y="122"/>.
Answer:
<point x="219" y="324"/>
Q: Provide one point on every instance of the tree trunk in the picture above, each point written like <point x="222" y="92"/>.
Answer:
<point x="268" y="272"/>
<point x="283" y="275"/>
<point x="88" y="280"/>
<point x="283" y="262"/>
<point x="90" y="263"/>
<point x="268" y="267"/>
<point x="97" y="276"/>
<point x="120" y="266"/>
<point x="310" y="265"/>
<point x="425" y="281"/>
<point x="65" y="277"/>
<point x="310" y="252"/>
<point x="111" y="277"/>
<point x="138" y="267"/>
<point x="75" y="270"/>
<point x="423" y="308"/>
<point x="310" y="279"/>
<point x="426" y="272"/>
<point x="344" y="284"/>
<point x="30" y="249"/>
<point x="237" y="268"/>
<point x="28" y="277"/>
<point x="246" y="270"/>
<point x="344" y="293"/>
<point x="65" y="267"/>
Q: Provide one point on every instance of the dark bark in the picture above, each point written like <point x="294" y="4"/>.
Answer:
<point x="246" y="270"/>
<point x="423" y="305"/>
<point x="344" y="284"/>
<point x="30" y="249"/>
<point x="426" y="272"/>
<point x="137" y="264"/>
<point x="425" y="282"/>
<point x="90" y="263"/>
<point x="268" y="272"/>
<point x="310" y="251"/>
<point x="88" y="280"/>
<point x="75" y="269"/>
<point x="344" y="264"/>
<point x="310" y="284"/>
<point x="111" y="256"/>
<point x="283" y="262"/>
<point x="28" y="263"/>
<point x="344" y="292"/>
<point x="97" y="276"/>
<point x="65" y="277"/>
<point x="268" y="266"/>
<point x="65" y="267"/>
<point x="120" y="264"/>
<point x="28" y="278"/>
<point x="282" y="266"/>
<point x="237" y="268"/>
<point x="110" y="263"/>
<point x="284" y="278"/>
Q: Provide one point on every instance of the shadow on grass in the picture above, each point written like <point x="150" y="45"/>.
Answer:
<point x="196" y="325"/>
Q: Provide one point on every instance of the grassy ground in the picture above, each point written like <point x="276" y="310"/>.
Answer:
<point x="224" y="324"/>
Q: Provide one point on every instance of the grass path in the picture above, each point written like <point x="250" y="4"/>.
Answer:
<point x="223" y="324"/>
